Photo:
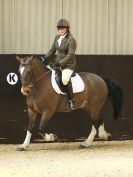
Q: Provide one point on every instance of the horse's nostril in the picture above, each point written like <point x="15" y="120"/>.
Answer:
<point x="27" y="92"/>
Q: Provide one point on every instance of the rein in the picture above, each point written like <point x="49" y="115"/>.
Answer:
<point x="41" y="76"/>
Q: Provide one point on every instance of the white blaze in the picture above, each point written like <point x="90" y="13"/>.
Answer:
<point x="22" y="70"/>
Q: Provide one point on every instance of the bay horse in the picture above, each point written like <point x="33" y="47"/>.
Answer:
<point x="42" y="99"/>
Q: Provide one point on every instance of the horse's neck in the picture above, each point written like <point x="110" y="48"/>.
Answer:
<point x="39" y="69"/>
<point x="41" y="77"/>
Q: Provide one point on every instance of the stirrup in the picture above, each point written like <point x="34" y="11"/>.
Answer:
<point x="71" y="104"/>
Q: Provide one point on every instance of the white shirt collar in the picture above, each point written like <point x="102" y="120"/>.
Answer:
<point x="60" y="39"/>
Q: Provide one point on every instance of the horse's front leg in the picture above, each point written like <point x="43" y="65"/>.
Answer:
<point x="32" y="118"/>
<point x="46" y="116"/>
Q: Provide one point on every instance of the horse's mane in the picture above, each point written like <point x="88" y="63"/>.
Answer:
<point x="39" y="61"/>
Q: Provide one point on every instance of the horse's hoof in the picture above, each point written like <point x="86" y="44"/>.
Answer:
<point x="20" y="149"/>
<point x="81" y="146"/>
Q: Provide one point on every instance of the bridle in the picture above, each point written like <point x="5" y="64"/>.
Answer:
<point x="33" y="81"/>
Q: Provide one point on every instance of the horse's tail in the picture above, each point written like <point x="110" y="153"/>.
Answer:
<point x="115" y="95"/>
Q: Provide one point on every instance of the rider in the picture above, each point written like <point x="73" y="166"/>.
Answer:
<point x="65" y="45"/>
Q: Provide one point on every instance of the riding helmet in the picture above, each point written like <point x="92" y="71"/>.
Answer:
<point x="63" y="23"/>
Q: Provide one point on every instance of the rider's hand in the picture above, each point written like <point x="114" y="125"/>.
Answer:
<point x="57" y="64"/>
<point x="43" y="59"/>
<point x="54" y="65"/>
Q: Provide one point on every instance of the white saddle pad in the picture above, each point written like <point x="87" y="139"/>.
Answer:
<point x="77" y="83"/>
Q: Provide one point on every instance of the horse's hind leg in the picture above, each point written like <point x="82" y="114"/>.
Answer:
<point x="90" y="138"/>
<point x="102" y="133"/>
<point x="97" y="126"/>
<point x="88" y="141"/>
<point x="32" y="117"/>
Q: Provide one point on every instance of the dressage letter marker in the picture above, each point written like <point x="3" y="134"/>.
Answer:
<point x="12" y="78"/>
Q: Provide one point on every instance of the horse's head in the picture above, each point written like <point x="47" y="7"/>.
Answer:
<point x="26" y="73"/>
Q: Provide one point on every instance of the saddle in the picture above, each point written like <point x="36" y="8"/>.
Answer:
<point x="77" y="82"/>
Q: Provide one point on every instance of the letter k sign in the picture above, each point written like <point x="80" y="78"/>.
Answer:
<point x="12" y="78"/>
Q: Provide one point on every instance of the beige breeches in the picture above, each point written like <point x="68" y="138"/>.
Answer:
<point x="66" y="75"/>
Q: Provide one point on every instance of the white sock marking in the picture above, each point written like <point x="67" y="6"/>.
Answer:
<point x="102" y="133"/>
<point x="27" y="140"/>
<point x="49" y="137"/>
<point x="90" y="138"/>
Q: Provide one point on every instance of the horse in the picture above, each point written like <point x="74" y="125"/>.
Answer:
<point x="42" y="99"/>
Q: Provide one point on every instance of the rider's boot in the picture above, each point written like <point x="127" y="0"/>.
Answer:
<point x="70" y="95"/>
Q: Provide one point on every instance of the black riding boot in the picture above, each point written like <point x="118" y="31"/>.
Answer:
<point x="70" y="95"/>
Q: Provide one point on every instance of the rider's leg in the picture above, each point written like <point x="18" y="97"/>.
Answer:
<point x="66" y="75"/>
<point x="66" y="79"/>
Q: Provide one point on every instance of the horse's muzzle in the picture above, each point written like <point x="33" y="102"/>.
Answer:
<point x="25" y="89"/>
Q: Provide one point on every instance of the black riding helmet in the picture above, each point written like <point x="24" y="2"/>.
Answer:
<point x="63" y="23"/>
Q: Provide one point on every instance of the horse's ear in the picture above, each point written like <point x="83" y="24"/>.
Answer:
<point x="18" y="58"/>
<point x="30" y="59"/>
